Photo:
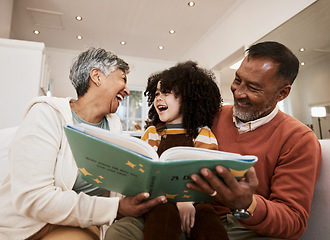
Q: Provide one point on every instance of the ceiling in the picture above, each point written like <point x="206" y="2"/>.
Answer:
<point x="145" y="24"/>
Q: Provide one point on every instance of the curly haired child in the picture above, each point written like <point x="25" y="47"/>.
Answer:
<point x="183" y="101"/>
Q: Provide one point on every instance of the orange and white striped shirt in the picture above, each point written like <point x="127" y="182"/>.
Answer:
<point x="205" y="138"/>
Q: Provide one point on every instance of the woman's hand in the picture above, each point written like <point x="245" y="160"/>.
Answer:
<point x="187" y="213"/>
<point x="136" y="206"/>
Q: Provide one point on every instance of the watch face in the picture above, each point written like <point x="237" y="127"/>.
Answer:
<point x="241" y="214"/>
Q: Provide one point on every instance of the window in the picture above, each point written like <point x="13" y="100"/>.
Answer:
<point x="133" y="111"/>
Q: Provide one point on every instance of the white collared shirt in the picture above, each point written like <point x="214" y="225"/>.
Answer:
<point x="252" y="125"/>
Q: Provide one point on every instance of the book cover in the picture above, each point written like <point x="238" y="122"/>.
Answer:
<point x="129" y="166"/>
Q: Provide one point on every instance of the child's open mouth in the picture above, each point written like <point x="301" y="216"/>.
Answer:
<point x="162" y="108"/>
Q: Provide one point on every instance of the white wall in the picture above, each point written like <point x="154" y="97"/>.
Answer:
<point x="61" y="60"/>
<point x="311" y="88"/>
<point x="21" y="64"/>
<point x="6" y="9"/>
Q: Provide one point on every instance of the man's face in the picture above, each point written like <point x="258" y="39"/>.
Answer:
<point x="255" y="89"/>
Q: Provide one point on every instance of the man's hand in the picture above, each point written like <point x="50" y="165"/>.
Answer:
<point x="230" y="192"/>
<point x="187" y="213"/>
<point x="136" y="206"/>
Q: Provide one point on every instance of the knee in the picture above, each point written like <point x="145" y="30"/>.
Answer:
<point x="125" y="229"/>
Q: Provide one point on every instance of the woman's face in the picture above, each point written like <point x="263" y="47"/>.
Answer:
<point x="167" y="106"/>
<point x="114" y="89"/>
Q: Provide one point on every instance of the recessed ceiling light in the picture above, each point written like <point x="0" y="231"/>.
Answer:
<point x="302" y="63"/>
<point x="171" y="31"/>
<point x="78" y="18"/>
<point x="160" y="47"/>
<point x="302" y="49"/>
<point x="122" y="42"/>
<point x="36" y="32"/>
<point x="191" y="4"/>
<point x="79" y="37"/>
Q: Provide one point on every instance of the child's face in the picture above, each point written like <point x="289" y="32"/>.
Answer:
<point x="167" y="106"/>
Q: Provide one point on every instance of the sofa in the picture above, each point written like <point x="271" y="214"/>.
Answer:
<point x="317" y="227"/>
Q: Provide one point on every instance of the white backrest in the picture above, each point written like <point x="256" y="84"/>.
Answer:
<point x="319" y="219"/>
<point x="6" y="135"/>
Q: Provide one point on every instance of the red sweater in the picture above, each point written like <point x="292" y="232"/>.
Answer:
<point x="289" y="159"/>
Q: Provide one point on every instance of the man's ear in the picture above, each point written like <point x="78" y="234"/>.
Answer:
<point x="94" y="75"/>
<point x="284" y="92"/>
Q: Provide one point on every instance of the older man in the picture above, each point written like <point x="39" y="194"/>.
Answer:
<point x="274" y="198"/>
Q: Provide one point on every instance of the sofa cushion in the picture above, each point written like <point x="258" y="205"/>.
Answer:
<point x="319" y="219"/>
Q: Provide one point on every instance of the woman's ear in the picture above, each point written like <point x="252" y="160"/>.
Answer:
<point x="95" y="76"/>
<point x="284" y="92"/>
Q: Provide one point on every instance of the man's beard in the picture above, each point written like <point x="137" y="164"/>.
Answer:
<point x="253" y="114"/>
<point x="249" y="116"/>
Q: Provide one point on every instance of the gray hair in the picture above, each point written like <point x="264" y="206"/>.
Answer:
<point x="99" y="58"/>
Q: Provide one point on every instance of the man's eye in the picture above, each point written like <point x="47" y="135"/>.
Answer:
<point x="237" y="81"/>
<point x="253" y="89"/>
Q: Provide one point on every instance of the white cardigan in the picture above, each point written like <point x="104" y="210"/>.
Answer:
<point x="38" y="189"/>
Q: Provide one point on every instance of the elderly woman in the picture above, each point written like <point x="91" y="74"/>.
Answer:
<point x="44" y="196"/>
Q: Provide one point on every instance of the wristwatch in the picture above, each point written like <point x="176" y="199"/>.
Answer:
<point x="241" y="214"/>
<point x="245" y="213"/>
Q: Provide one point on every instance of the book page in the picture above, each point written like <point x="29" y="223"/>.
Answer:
<point x="193" y="153"/>
<point x="128" y="142"/>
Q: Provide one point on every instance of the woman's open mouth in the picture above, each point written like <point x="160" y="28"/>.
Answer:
<point x="120" y="97"/>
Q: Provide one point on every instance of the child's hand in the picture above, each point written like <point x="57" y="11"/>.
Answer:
<point x="187" y="215"/>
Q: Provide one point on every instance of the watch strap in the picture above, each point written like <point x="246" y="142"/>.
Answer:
<point x="252" y="206"/>
<point x="245" y="213"/>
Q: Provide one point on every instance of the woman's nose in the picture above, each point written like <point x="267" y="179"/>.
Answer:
<point x="126" y="91"/>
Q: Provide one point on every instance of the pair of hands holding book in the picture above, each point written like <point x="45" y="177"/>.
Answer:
<point x="228" y="191"/>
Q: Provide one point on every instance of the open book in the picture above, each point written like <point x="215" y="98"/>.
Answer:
<point x="129" y="166"/>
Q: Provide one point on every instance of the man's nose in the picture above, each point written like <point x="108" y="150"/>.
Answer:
<point x="240" y="91"/>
